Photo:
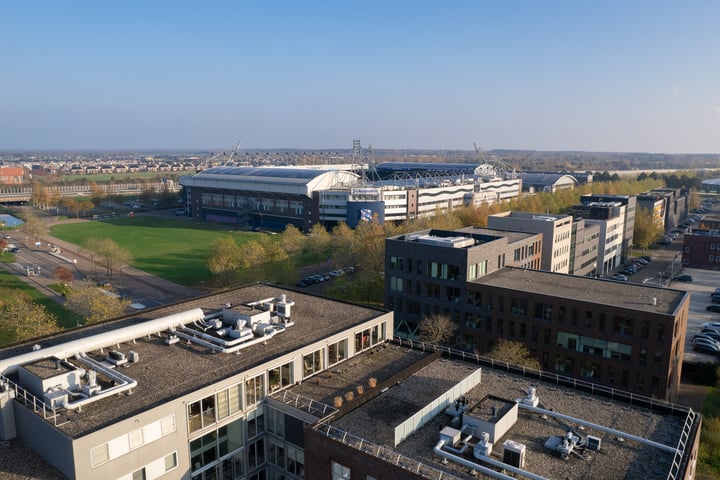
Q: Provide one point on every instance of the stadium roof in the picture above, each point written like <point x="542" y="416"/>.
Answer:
<point x="291" y="181"/>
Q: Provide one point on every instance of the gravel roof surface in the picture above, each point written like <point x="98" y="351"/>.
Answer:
<point x="603" y="292"/>
<point x="375" y="420"/>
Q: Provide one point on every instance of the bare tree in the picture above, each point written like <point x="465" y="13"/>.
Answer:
<point x="513" y="352"/>
<point x="34" y="226"/>
<point x="110" y="253"/>
<point x="437" y="329"/>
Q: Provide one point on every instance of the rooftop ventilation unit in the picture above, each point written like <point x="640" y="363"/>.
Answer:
<point x="116" y="358"/>
<point x="531" y="399"/>
<point x="454" y="242"/>
<point x="283" y="307"/>
<point x="484" y="446"/>
<point x="514" y="454"/>
<point x="592" y="443"/>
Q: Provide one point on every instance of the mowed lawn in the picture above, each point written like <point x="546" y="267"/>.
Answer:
<point x="171" y="249"/>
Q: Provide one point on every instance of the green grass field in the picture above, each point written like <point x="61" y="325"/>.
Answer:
<point x="171" y="249"/>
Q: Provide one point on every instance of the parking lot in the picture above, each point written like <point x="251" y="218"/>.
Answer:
<point x="703" y="284"/>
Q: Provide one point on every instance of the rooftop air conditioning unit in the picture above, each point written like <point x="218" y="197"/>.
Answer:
<point x="593" y="443"/>
<point x="514" y="454"/>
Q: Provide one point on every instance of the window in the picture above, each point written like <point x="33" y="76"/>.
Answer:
<point x="518" y="306"/>
<point x="170" y="461"/>
<point x="253" y="390"/>
<point x="276" y="453"/>
<point x="136" y="438"/>
<point x="133" y="440"/>
<point x="313" y="363"/>
<point x="139" y="474"/>
<point x="280" y="377"/>
<point x="201" y="413"/>
<point x="396" y="284"/>
<point x="338" y="471"/>
<point x="362" y="340"/>
<point x="295" y="461"/>
<point x="203" y="451"/>
<point x="99" y="454"/>
<point x="337" y="352"/>
<point x="206" y="450"/>
<point x="472" y="272"/>
<point x="256" y="454"/>
<point x="396" y="263"/>
<point x="623" y="325"/>
<point x="167" y="425"/>
<point x="433" y="290"/>
<point x="452" y="294"/>
<point x="256" y="424"/>
<point x="275" y="422"/>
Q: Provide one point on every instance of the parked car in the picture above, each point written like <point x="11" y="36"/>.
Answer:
<point x="683" y="278"/>
<point x="706" y="336"/>
<point x="713" y="308"/>
<point x="619" y="277"/>
<point x="709" y="332"/>
<point x="711" y="325"/>
<point x="706" y="345"/>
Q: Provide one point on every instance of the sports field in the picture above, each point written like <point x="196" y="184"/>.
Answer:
<point x="171" y="249"/>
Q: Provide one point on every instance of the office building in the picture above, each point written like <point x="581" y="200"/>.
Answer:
<point x="426" y="271"/>
<point x="556" y="230"/>
<point x="179" y="391"/>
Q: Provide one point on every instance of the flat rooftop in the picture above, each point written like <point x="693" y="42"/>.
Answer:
<point x="479" y="234"/>
<point x="164" y="372"/>
<point x="631" y="296"/>
<point x="374" y="421"/>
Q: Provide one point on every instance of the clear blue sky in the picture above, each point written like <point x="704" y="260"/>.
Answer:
<point x="546" y="75"/>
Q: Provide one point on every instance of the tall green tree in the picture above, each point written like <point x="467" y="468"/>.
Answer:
<point x="26" y="319"/>
<point x="292" y="240"/>
<point x="95" y="304"/>
<point x="224" y="260"/>
<point x="647" y="231"/>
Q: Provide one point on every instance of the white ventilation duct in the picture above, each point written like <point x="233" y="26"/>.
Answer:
<point x="644" y="441"/>
<point x="102" y="340"/>
<point x="483" y="469"/>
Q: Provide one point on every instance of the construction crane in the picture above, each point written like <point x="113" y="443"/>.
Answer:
<point x="502" y="168"/>
<point x="223" y="158"/>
